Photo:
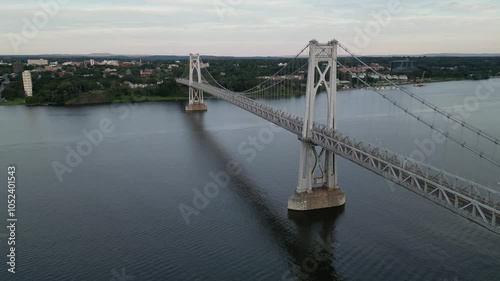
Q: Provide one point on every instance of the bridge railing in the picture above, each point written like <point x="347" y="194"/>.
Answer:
<point x="322" y="135"/>
<point x="466" y="187"/>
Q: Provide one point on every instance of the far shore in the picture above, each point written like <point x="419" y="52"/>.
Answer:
<point x="144" y="99"/>
<point x="20" y="101"/>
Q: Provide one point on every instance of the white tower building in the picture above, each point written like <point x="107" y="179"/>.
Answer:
<point x="28" y="86"/>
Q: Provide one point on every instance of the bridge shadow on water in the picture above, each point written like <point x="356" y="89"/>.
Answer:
<point x="306" y="240"/>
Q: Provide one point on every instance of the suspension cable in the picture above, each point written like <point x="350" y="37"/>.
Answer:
<point x="247" y="92"/>
<point x="494" y="140"/>
<point x="446" y="134"/>
<point x="185" y="74"/>
<point x="216" y="82"/>
<point x="277" y="83"/>
<point x="275" y="74"/>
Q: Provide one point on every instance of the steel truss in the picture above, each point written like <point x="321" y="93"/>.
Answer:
<point x="466" y="198"/>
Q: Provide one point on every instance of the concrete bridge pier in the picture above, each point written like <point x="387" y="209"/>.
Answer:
<point x="196" y="107"/>
<point x="196" y="101"/>
<point x="317" y="185"/>
<point x="319" y="198"/>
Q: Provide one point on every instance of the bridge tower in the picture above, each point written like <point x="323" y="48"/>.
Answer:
<point x="317" y="185"/>
<point x="196" y="99"/>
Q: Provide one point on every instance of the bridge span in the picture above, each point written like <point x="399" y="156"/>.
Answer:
<point x="461" y="196"/>
<point x="466" y="198"/>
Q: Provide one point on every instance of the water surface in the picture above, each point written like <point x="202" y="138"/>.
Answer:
<point x="119" y="209"/>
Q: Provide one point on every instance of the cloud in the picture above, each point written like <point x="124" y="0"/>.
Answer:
<point x="257" y="27"/>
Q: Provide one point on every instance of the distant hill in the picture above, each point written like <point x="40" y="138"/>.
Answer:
<point x="177" y="57"/>
<point x="439" y="55"/>
<point x="462" y="55"/>
<point x="100" y="55"/>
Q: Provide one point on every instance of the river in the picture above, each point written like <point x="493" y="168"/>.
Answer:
<point x="114" y="211"/>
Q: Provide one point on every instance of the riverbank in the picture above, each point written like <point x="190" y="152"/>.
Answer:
<point x="149" y="99"/>
<point x="17" y="101"/>
<point x="20" y="101"/>
<point x="143" y="99"/>
<point x="426" y="81"/>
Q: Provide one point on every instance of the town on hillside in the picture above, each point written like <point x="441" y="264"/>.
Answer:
<point x="69" y="81"/>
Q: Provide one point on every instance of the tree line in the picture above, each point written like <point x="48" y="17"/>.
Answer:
<point x="237" y="74"/>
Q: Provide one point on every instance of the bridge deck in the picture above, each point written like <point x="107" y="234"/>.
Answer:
<point x="468" y="199"/>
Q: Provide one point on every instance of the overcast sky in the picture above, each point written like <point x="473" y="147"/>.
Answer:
<point x="249" y="27"/>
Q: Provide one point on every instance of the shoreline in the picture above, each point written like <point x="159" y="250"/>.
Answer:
<point x="21" y="101"/>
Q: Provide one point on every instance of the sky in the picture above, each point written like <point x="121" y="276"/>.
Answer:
<point x="247" y="27"/>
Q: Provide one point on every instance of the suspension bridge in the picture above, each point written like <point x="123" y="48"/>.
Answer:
<point x="317" y="186"/>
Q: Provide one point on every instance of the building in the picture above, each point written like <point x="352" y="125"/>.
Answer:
<point x="108" y="62"/>
<point x="28" y="86"/>
<point x="359" y="75"/>
<point x="402" y="65"/>
<point x="146" y="72"/>
<point x="72" y="63"/>
<point x="40" y="62"/>
<point x="88" y="63"/>
<point x="354" y="69"/>
<point x="53" y="68"/>
<point x="129" y="63"/>
<point x="376" y="66"/>
<point x="17" y="67"/>
<point x="135" y="86"/>
<point x="110" y="72"/>
<point x="4" y="82"/>
<point x="283" y="77"/>
<point x="65" y="73"/>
